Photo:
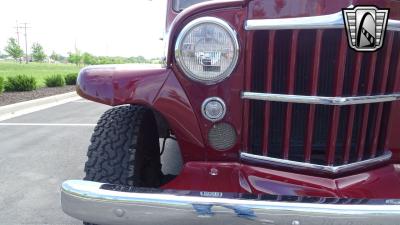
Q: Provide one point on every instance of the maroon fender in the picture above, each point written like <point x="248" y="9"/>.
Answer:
<point x="120" y="84"/>
<point x="173" y="103"/>
<point x="155" y="88"/>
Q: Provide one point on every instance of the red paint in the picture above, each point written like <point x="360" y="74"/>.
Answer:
<point x="290" y="90"/>
<point x="313" y="91"/>
<point x="354" y="90"/>
<point x="120" y="84"/>
<point x="370" y="82"/>
<point x="178" y="99"/>
<point x="381" y="182"/>
<point x="382" y="88"/>
<point x="268" y="85"/>
<point x="393" y="141"/>
<point x="247" y="86"/>
<point x="229" y="90"/>
<point x="269" y="9"/>
<point x="338" y="90"/>
<point x="197" y="176"/>
<point x="171" y="14"/>
<point x="174" y="105"/>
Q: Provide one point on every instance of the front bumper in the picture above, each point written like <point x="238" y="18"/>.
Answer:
<point x="102" y="204"/>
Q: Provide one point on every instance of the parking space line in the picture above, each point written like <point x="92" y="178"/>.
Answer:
<point x="27" y="109"/>
<point x="82" y="101"/>
<point x="50" y="124"/>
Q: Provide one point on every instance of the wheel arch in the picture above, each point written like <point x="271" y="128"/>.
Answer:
<point x="157" y="89"/>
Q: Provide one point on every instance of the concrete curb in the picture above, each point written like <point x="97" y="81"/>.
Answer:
<point x="22" y="108"/>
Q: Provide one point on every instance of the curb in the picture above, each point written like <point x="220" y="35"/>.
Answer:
<point x="22" y="108"/>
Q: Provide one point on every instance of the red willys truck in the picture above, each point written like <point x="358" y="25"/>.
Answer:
<point x="278" y="120"/>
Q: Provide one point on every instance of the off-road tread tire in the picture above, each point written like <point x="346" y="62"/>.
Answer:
<point x="125" y="137"/>
<point x="115" y="142"/>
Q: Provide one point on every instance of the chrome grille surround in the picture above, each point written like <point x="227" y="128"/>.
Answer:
<point x="319" y="23"/>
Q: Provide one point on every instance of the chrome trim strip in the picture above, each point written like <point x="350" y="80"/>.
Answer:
<point x="86" y="201"/>
<point x="330" y="21"/>
<point x="321" y="100"/>
<point x="318" y="168"/>
<point x="393" y="25"/>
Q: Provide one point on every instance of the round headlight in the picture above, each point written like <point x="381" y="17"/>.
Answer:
<point x="207" y="50"/>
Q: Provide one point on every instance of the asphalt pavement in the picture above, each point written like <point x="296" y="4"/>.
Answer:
<point x="42" y="149"/>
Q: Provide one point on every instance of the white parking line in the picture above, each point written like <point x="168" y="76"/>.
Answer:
<point x="50" y="124"/>
<point x="82" y="101"/>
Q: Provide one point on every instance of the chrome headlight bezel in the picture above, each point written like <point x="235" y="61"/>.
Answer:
<point x="188" y="28"/>
<point x="222" y="113"/>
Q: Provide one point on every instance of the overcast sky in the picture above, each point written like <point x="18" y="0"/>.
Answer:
<point x="100" y="27"/>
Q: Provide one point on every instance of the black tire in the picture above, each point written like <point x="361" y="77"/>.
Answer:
<point x="125" y="148"/>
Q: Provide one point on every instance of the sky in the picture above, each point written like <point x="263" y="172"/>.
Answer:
<point x="100" y="27"/>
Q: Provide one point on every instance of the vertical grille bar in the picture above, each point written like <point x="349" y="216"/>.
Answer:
<point x="352" y="112"/>
<point x="364" y="126"/>
<point x="313" y="91"/>
<point x="268" y="88"/>
<point x="256" y="122"/>
<point x="382" y="89"/>
<point x="318" y="63"/>
<point x="395" y="87"/>
<point x="338" y="89"/>
<point x="290" y="90"/>
<point x="248" y="81"/>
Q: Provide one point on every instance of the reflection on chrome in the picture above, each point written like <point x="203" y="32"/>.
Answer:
<point x="86" y="200"/>
<point x="330" y="21"/>
<point x="321" y="100"/>
<point x="316" y="167"/>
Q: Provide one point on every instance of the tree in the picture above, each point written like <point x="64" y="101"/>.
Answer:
<point x="88" y="59"/>
<point x="75" y="58"/>
<point x="54" y="56"/>
<point x="14" y="50"/>
<point x="38" y="53"/>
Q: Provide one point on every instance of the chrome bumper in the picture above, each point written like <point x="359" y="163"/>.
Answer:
<point x="102" y="204"/>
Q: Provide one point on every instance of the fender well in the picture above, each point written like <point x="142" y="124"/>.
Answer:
<point x="157" y="89"/>
<point x="121" y="84"/>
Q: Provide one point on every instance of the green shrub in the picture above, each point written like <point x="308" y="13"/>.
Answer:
<point x="1" y="84"/>
<point x="56" y="80"/>
<point x="70" y="79"/>
<point x="20" y="83"/>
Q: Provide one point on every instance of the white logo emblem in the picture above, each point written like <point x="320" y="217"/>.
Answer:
<point x="366" y="26"/>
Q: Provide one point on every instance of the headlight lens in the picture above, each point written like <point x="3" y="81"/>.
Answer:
<point x="213" y="109"/>
<point x="207" y="50"/>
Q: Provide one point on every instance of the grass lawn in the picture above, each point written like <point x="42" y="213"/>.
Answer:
<point x="37" y="70"/>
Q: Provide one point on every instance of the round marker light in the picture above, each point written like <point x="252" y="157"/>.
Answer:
<point x="207" y="50"/>
<point x="213" y="109"/>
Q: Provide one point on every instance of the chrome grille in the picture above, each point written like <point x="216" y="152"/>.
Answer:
<point x="319" y="63"/>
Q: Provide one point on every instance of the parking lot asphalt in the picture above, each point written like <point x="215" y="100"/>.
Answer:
<point x="42" y="149"/>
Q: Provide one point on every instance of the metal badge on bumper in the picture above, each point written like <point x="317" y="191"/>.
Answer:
<point x="113" y="204"/>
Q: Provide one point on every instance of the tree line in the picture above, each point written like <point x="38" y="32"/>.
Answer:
<point x="89" y="59"/>
<point x="14" y="50"/>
